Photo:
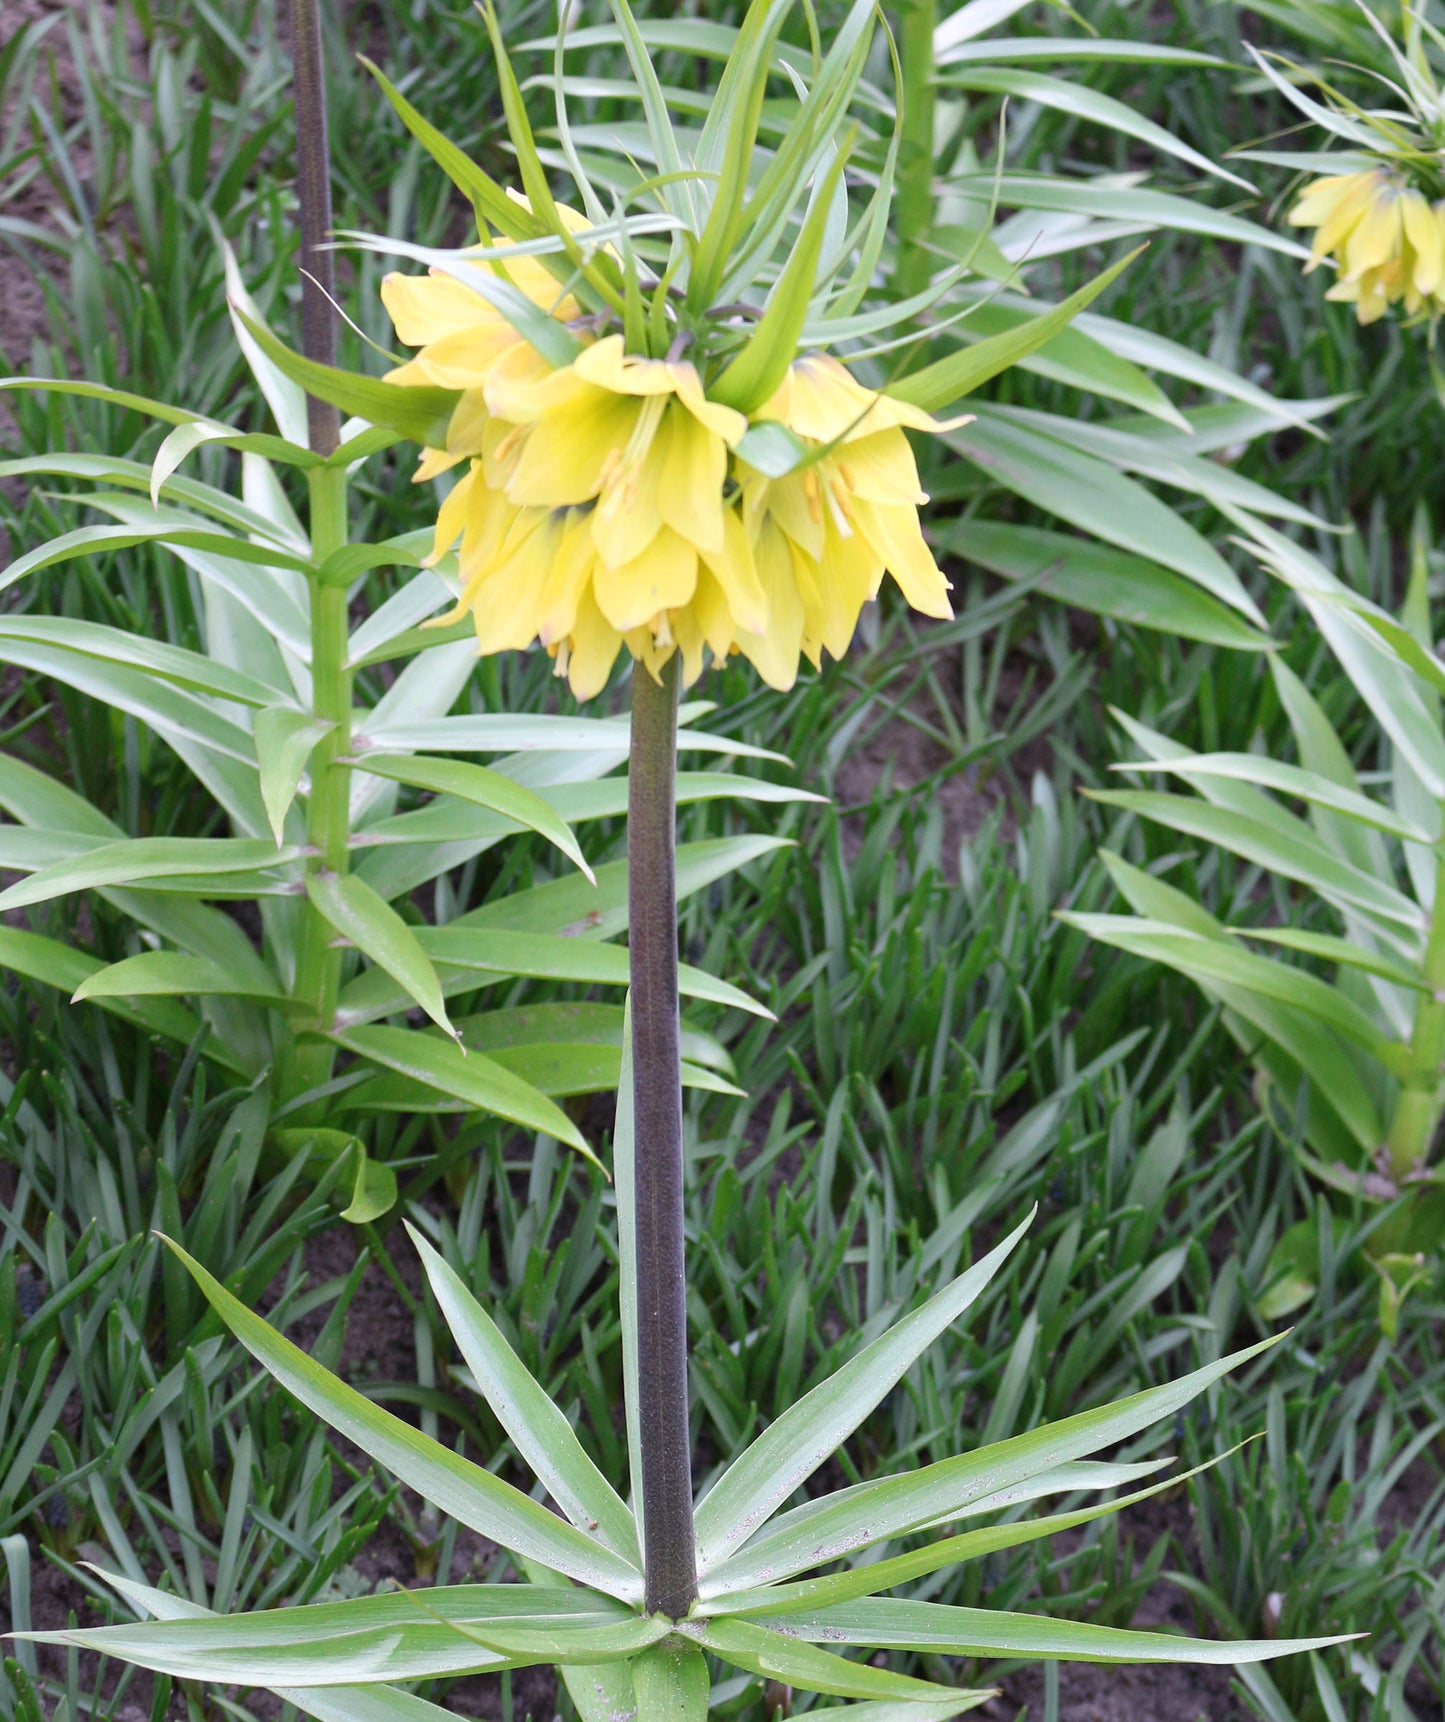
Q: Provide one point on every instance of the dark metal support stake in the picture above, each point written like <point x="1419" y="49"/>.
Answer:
<point x="313" y="191"/>
<point x="669" y="1563"/>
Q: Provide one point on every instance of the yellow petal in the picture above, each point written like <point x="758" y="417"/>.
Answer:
<point x="452" y="515"/>
<point x="821" y="399"/>
<point x="847" y="577"/>
<point x="773" y="651"/>
<point x="1317" y="202"/>
<point x="896" y="539"/>
<point x="467" y="427"/>
<point x="591" y="650"/>
<point x="466" y="359"/>
<point x="661" y="578"/>
<point x="426" y="308"/>
<point x="1426" y="240"/>
<point x="722" y="421"/>
<point x="609" y="366"/>
<point x="565" y="461"/>
<point x="734" y="576"/>
<point x="881" y="468"/>
<point x="1377" y="237"/>
<point x="433" y="462"/>
<point x="566" y="580"/>
<point x="691" y="464"/>
<point x="1347" y="213"/>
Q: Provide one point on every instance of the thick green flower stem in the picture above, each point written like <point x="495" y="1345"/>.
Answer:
<point x="328" y="810"/>
<point x="669" y="1566"/>
<point x="1418" y="1115"/>
<point x="913" y="201"/>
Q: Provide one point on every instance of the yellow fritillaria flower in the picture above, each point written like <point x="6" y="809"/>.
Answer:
<point x="827" y="534"/>
<point x="1387" y="239"/>
<point x="603" y="504"/>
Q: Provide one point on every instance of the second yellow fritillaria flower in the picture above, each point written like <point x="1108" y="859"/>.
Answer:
<point x="1387" y="239"/>
<point x="605" y="503"/>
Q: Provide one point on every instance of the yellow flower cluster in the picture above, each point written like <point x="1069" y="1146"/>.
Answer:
<point x="604" y="502"/>
<point x="1387" y="239"/>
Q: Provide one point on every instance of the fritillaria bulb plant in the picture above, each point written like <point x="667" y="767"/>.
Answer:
<point x="658" y="448"/>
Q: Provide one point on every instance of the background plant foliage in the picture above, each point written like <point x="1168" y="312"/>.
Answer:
<point x="946" y="1053"/>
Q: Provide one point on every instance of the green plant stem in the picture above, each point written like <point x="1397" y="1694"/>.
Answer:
<point x="1417" y="1117"/>
<point x="913" y="202"/>
<point x="328" y="809"/>
<point x="669" y="1563"/>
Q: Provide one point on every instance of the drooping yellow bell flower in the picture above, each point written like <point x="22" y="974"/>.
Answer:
<point x="603" y="504"/>
<point x="1387" y="239"/>
<point x="463" y="337"/>
<point x="830" y="532"/>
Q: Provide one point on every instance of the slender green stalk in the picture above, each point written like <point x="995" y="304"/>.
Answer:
<point x="669" y="1564"/>
<point x="913" y="202"/>
<point x="1417" y="1117"/>
<point x="328" y="813"/>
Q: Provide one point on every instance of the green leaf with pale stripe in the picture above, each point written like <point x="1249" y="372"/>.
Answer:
<point x="326" y="1704"/>
<point x="796" y="1663"/>
<point x="375" y="928"/>
<point x="149" y="861"/>
<point x="396" y="1635"/>
<point x="285" y="738"/>
<point x="1284" y="844"/>
<point x="834" y="1526"/>
<point x="671" y="1684"/>
<point x="482" y="788"/>
<point x="186" y="669"/>
<point x="543" y="1437"/>
<point x="936" y="386"/>
<point x="465" y="956"/>
<point x="809" y="1432"/>
<point x="474" y="1078"/>
<point x="902" y="1624"/>
<point x="159" y="974"/>
<point x="466" y="1492"/>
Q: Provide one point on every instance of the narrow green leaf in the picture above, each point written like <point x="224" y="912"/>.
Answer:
<point x="753" y="376"/>
<point x="285" y="738"/>
<point x="829" y="1528"/>
<point x="457" y="1487"/>
<point x="796" y="1663"/>
<point x="183" y="668"/>
<point x="476" y="1079"/>
<point x="421" y="414"/>
<point x="946" y="380"/>
<point x="900" y="1624"/>
<point x="397" y="1635"/>
<point x="157" y="974"/>
<point x="147" y="861"/>
<point x="93" y="540"/>
<point x="543" y="1437"/>
<point x="1104" y="580"/>
<point x="375" y="928"/>
<point x="482" y="788"/>
<point x="1284" y="844"/>
<point x="875" y="1576"/>
<point x="326" y="1704"/>
<point x="373" y="1189"/>
<point x="1291" y="780"/>
<point x="809" y="1432"/>
<point x="671" y="1684"/>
